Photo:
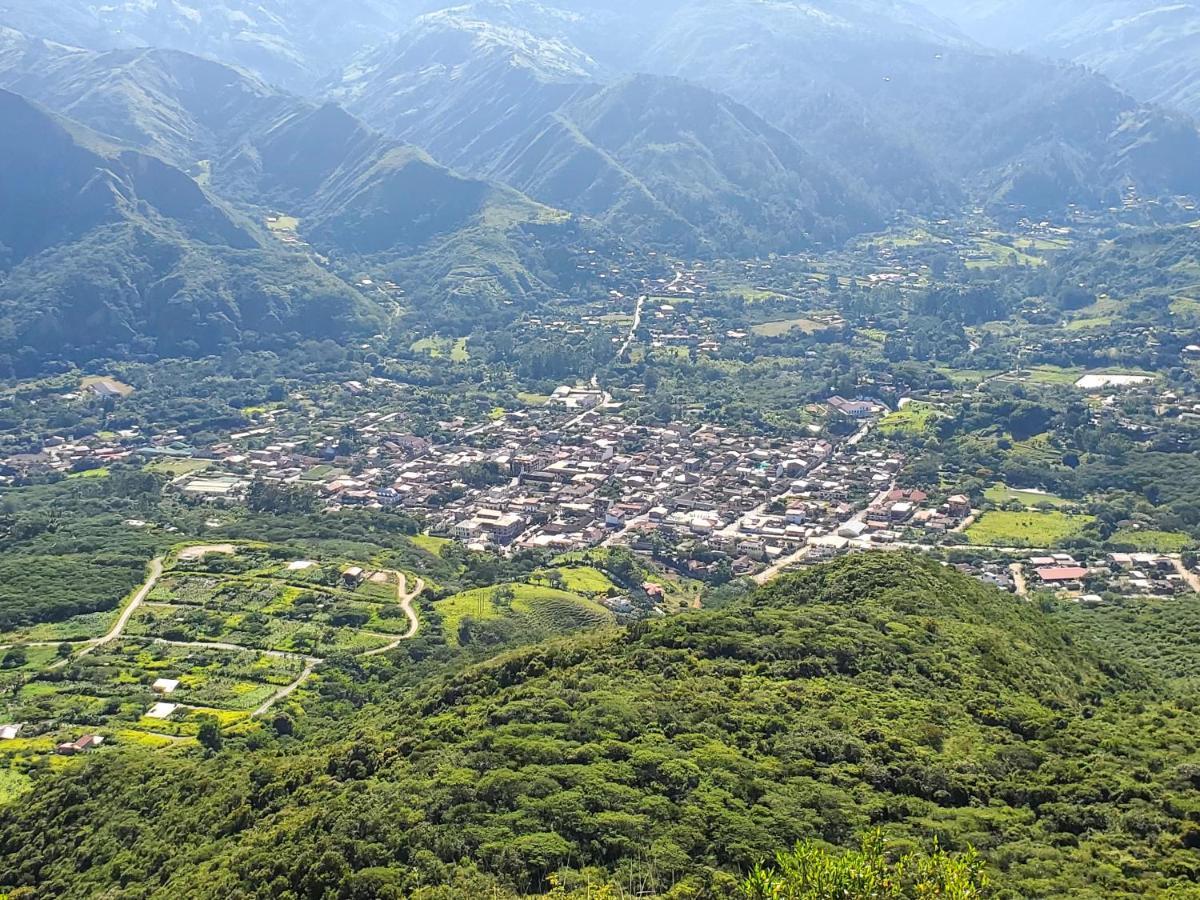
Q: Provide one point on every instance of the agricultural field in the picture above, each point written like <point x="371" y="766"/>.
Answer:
<point x="265" y="612"/>
<point x="541" y="609"/>
<point x="219" y="635"/>
<point x="443" y="348"/>
<point x="1026" y="528"/>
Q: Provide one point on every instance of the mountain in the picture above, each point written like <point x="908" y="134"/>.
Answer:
<point x="920" y="117"/>
<point x="1148" y="47"/>
<point x="58" y="183"/>
<point x="357" y="196"/>
<point x="288" y="42"/>
<point x="125" y="252"/>
<point x="878" y="690"/>
<point x="655" y="159"/>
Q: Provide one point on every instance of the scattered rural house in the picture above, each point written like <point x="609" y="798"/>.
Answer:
<point x="85" y="743"/>
<point x="162" y="710"/>
<point x="165" y="686"/>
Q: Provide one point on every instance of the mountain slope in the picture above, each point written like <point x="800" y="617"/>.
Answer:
<point x="354" y="192"/>
<point x="58" y="183"/>
<point x="876" y="690"/>
<point x="918" y="116"/>
<point x="286" y="42"/>
<point x="123" y="251"/>
<point x="1149" y="47"/>
<point x="657" y="159"/>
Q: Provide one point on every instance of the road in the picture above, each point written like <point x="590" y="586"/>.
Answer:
<point x="405" y="598"/>
<point x="1189" y="576"/>
<point x="1018" y="576"/>
<point x="406" y="602"/>
<point x="637" y="321"/>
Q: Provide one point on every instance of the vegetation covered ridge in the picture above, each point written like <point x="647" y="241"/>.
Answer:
<point x="879" y="691"/>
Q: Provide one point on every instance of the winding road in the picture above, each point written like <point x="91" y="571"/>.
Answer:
<point x="404" y="597"/>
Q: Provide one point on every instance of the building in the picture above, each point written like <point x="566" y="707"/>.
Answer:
<point x="85" y="743"/>
<point x="859" y="408"/>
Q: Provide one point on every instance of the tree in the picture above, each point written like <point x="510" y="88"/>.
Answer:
<point x="209" y="734"/>
<point x="810" y="873"/>
<point x="14" y="658"/>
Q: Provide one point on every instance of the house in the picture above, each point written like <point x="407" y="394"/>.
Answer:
<point x="859" y="408"/>
<point x="959" y="506"/>
<point x="10" y="732"/>
<point x="1062" y="576"/>
<point x="353" y="576"/>
<point x="162" y="710"/>
<point x="85" y="743"/>
<point x="164" y="686"/>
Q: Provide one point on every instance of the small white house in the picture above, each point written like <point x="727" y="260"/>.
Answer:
<point x="165" y="686"/>
<point x="162" y="710"/>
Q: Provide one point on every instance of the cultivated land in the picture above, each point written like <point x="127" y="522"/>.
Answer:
<point x="231" y="630"/>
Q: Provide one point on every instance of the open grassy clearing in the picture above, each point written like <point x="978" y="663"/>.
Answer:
<point x="550" y="610"/>
<point x="441" y="347"/>
<point x="1001" y="494"/>
<point x="1026" y="528"/>
<point x="786" y="326"/>
<point x="1149" y="541"/>
<point x="579" y="579"/>
<point x="177" y="467"/>
<point x="912" y="418"/>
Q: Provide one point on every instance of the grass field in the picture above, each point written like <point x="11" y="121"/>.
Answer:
<point x="440" y="347"/>
<point x="176" y="467"/>
<point x="1026" y="528"/>
<point x="1000" y="494"/>
<point x="584" y="580"/>
<point x="102" y="472"/>
<point x="430" y="544"/>
<point x="785" y="326"/>
<point x="1153" y="541"/>
<point x="551" y="610"/>
<point x="912" y="418"/>
<point x="283" y="224"/>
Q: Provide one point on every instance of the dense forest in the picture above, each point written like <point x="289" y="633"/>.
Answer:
<point x="877" y="691"/>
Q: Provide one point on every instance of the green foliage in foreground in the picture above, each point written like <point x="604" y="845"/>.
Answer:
<point x="810" y="873"/>
<point x="876" y="692"/>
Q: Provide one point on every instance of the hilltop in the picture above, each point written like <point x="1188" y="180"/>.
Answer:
<point x="876" y="690"/>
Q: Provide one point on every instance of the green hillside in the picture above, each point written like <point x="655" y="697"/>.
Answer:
<point x="876" y="691"/>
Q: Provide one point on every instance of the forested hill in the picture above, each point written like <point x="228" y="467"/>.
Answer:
<point x="876" y="690"/>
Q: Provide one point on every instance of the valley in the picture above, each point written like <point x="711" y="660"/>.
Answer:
<point x="546" y="449"/>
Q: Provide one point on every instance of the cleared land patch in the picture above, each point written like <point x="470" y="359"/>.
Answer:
<point x="1026" y="528"/>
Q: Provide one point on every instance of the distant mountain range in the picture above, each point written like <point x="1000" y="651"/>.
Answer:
<point x="882" y="105"/>
<point x="1149" y="47"/>
<point x="710" y="128"/>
